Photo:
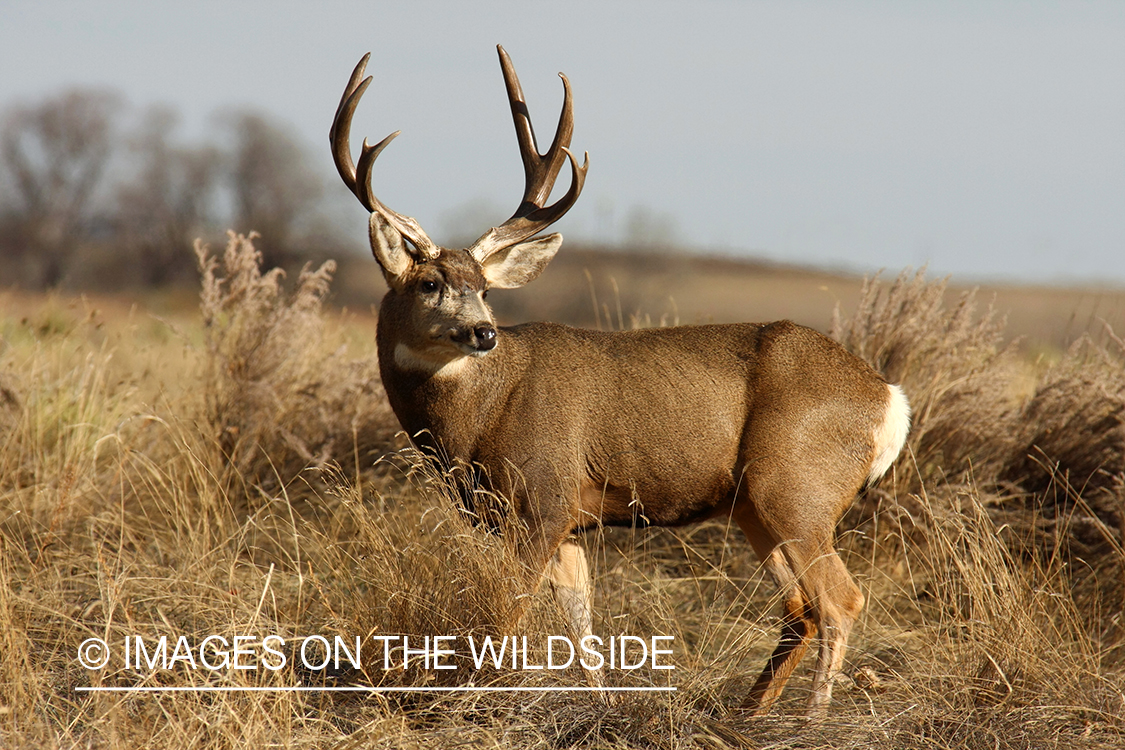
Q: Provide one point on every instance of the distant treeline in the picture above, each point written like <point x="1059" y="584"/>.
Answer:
<point x="96" y="195"/>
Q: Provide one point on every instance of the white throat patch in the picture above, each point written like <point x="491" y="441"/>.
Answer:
<point x="409" y="359"/>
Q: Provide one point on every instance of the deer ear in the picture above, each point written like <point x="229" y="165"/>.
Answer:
<point x="523" y="262"/>
<point x="388" y="247"/>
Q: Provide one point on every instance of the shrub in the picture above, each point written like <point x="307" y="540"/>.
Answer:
<point x="281" y="392"/>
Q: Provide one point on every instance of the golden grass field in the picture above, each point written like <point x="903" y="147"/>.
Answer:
<point x="227" y="465"/>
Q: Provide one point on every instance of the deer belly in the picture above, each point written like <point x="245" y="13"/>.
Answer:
<point x="648" y="501"/>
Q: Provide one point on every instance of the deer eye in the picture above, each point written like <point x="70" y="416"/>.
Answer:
<point x="484" y="294"/>
<point x="429" y="286"/>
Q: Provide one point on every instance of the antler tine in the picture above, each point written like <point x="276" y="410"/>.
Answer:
<point x="359" y="180"/>
<point x="340" y="133"/>
<point x="563" y="131"/>
<point x="540" y="170"/>
<point x="406" y="226"/>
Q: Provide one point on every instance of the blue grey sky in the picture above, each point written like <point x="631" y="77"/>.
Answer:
<point x="984" y="138"/>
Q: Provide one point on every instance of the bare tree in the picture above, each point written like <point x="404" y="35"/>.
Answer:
<point x="54" y="156"/>
<point x="169" y="201"/>
<point x="58" y="213"/>
<point x="276" y="190"/>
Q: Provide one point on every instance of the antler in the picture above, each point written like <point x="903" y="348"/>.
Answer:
<point x="540" y="171"/>
<point x="360" y="184"/>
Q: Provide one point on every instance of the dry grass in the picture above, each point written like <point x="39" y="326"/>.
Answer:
<point x="222" y="480"/>
<point x="266" y="354"/>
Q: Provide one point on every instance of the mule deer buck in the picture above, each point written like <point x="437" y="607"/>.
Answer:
<point x="773" y="425"/>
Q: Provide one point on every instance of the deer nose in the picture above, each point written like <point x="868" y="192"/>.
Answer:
<point x="486" y="337"/>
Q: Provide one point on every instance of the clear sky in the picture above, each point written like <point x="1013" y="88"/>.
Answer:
<point x="985" y="138"/>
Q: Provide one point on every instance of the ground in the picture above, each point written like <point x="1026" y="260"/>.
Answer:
<point x="228" y="466"/>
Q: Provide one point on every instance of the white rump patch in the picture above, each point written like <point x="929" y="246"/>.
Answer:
<point x="408" y="359"/>
<point x="891" y="434"/>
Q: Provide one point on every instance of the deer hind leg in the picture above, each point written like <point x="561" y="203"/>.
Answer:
<point x="820" y="597"/>
<point x="797" y="627"/>
<point x="832" y="604"/>
<point x="569" y="575"/>
<point x="836" y="603"/>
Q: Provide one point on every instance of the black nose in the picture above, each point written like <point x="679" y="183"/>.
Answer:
<point x="486" y="337"/>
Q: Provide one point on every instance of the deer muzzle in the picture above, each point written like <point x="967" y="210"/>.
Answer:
<point x="478" y="340"/>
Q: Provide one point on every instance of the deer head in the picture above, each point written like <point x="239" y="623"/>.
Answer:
<point x="440" y="292"/>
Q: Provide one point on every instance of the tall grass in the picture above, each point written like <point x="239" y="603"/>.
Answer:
<point x="259" y="490"/>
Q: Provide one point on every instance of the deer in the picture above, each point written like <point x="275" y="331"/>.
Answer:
<point x="772" y="425"/>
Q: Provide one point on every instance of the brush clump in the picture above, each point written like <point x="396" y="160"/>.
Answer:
<point x="281" y="391"/>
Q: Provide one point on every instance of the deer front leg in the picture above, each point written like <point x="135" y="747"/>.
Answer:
<point x="569" y="576"/>
<point x="550" y="553"/>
